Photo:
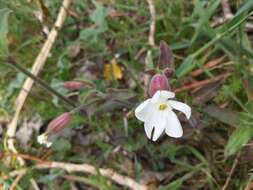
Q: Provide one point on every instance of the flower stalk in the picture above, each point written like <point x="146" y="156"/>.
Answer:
<point x="20" y="68"/>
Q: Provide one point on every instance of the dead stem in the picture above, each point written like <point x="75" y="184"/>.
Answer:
<point x="231" y="172"/>
<point x="84" y="168"/>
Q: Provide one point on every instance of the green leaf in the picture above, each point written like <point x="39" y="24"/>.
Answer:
<point x="149" y="60"/>
<point x="54" y="173"/>
<point x="15" y="84"/>
<point x="238" y="139"/>
<point x="92" y="35"/>
<point x="175" y="185"/>
<point x="204" y="15"/>
<point x="238" y="18"/>
<point x="224" y="115"/>
<point x="4" y="14"/>
<point x="246" y="7"/>
<point x="185" y="67"/>
<point x="61" y="145"/>
<point x="99" y="17"/>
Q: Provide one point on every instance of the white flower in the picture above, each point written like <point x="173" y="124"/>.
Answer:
<point x="43" y="139"/>
<point x="157" y="115"/>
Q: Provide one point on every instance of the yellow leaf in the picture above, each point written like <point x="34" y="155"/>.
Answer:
<point x="112" y="71"/>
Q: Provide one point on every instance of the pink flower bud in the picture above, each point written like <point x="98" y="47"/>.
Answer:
<point x="166" y="58"/>
<point x="59" y="123"/>
<point x="158" y="82"/>
<point x="73" y="85"/>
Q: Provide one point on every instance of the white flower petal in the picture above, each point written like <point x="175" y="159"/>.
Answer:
<point x="143" y="110"/>
<point x="165" y="94"/>
<point x="43" y="139"/>
<point x="162" y="95"/>
<point x="48" y="144"/>
<point x="159" y="128"/>
<point x="156" y="122"/>
<point x="173" y="127"/>
<point x="151" y="122"/>
<point x="148" y="127"/>
<point x="156" y="96"/>
<point x="181" y="107"/>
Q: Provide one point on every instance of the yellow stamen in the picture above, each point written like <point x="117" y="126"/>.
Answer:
<point x="163" y="107"/>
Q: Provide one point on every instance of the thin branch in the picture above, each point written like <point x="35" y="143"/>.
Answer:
<point x="203" y="82"/>
<point x="226" y="9"/>
<point x="231" y="172"/>
<point x="20" y="68"/>
<point x="84" y="168"/>
<point x="34" y="184"/>
<point x="151" y="38"/>
<point x="15" y="182"/>
<point x="208" y="65"/>
<point x="227" y="14"/>
<point x="249" y="185"/>
<point x="37" y="66"/>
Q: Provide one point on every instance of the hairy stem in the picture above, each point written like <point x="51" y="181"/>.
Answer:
<point x="20" y="68"/>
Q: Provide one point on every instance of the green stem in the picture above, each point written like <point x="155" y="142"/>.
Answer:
<point x="240" y="104"/>
<point x="20" y="68"/>
<point x="218" y="37"/>
<point x="79" y="108"/>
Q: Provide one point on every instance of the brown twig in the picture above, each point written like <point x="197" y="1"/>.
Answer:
<point x="226" y="9"/>
<point x="202" y="83"/>
<point x="231" y="172"/>
<point x="84" y="168"/>
<point x="24" y="156"/>
<point x="208" y="65"/>
<point x="15" y="182"/>
<point x="249" y="186"/>
<point x="227" y="14"/>
<point x="37" y="66"/>
<point x="248" y="89"/>
<point x="151" y="38"/>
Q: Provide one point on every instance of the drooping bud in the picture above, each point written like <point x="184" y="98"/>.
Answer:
<point x="59" y="123"/>
<point x="73" y="85"/>
<point x="55" y="126"/>
<point x="166" y="58"/>
<point x="158" y="82"/>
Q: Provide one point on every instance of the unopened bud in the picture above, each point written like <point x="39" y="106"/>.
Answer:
<point x="158" y="82"/>
<point x="166" y="58"/>
<point x="59" y="123"/>
<point x="73" y="85"/>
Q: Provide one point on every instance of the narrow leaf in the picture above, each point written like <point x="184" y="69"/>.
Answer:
<point x="4" y="14"/>
<point x="187" y="65"/>
<point x="238" y="139"/>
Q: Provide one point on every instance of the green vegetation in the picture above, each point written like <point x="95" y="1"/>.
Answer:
<point x="104" y="45"/>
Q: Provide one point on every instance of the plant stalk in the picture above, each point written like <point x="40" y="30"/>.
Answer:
<point x="20" y="68"/>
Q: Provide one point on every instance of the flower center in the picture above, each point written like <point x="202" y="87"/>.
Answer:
<point x="162" y="107"/>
